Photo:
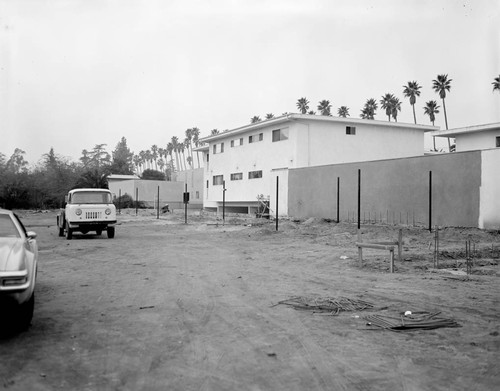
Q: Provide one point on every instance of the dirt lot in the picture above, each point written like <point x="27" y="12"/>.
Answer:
<point x="170" y="306"/>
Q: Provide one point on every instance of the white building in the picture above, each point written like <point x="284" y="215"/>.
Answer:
<point x="248" y="160"/>
<point x="473" y="138"/>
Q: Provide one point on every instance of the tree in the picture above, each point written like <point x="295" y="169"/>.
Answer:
<point x="255" y="119"/>
<point x="270" y="116"/>
<point x="386" y="103"/>
<point x="369" y="110"/>
<point x="440" y="86"/>
<point x="154" y="175"/>
<point x="188" y="142"/>
<point x="343" y="111"/>
<point x="137" y="163"/>
<point x="16" y="163"/>
<point x="303" y="105"/>
<point x="196" y="141"/>
<point x="411" y="90"/>
<point x="175" y="148"/>
<point x="311" y="112"/>
<point x="123" y="159"/>
<point x="213" y="132"/>
<point x="324" y="107"/>
<point x="496" y="84"/>
<point x="154" y="155"/>
<point x="395" y="107"/>
<point x="431" y="109"/>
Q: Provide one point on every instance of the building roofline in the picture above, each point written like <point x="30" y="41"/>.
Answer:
<point x="465" y="130"/>
<point x="309" y="117"/>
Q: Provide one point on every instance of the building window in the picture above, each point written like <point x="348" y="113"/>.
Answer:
<point x="238" y="176"/>
<point x="350" y="130"/>
<point x="218" y="180"/>
<point x="498" y="142"/>
<point x="218" y="148"/>
<point x="236" y="143"/>
<point x="256" y="137"/>
<point x="280" y="135"/>
<point x="255" y="174"/>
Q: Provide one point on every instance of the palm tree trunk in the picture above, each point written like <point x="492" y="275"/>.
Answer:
<point x="198" y="158"/>
<point x="446" y="123"/>
<point x="445" y="116"/>
<point x="414" y="116"/>
<point x="434" y="141"/>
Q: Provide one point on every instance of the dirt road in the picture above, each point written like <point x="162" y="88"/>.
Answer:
<point x="169" y="306"/>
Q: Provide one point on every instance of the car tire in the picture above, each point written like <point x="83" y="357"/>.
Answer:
<point x="69" y="232"/>
<point x="111" y="232"/>
<point x="25" y="314"/>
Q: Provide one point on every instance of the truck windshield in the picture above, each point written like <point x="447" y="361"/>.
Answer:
<point x="91" y="197"/>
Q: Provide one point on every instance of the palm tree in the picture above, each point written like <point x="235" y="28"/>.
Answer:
<point x="496" y="84"/>
<point x="411" y="90"/>
<point x="161" y="164"/>
<point x="395" y="107"/>
<point x="213" y="132"/>
<point x="311" y="112"/>
<point x="441" y="85"/>
<point x="142" y="155"/>
<point x="175" y="148"/>
<point x="187" y="144"/>
<point x="303" y="105"/>
<point x="369" y="110"/>
<point x="270" y="116"/>
<point x="189" y="138"/>
<point x="181" y="151"/>
<point x="324" y="107"/>
<point x="255" y="119"/>
<point x="170" y="150"/>
<point x="386" y="103"/>
<point x="343" y="111"/>
<point x="137" y="161"/>
<point x="431" y="109"/>
<point x="154" y="155"/>
<point x="196" y="141"/>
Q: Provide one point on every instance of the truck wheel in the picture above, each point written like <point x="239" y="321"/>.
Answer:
<point x="98" y="232"/>
<point x="69" y="232"/>
<point x="111" y="232"/>
<point x="61" y="231"/>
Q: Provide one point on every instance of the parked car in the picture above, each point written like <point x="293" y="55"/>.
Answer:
<point x="18" y="269"/>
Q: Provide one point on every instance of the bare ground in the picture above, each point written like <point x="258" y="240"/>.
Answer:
<point x="168" y="305"/>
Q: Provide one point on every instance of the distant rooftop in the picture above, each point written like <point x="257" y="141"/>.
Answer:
<point x="310" y="117"/>
<point x="122" y="177"/>
<point x="468" y="129"/>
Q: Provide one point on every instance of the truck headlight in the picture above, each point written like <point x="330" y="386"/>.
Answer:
<point x="78" y="212"/>
<point x="108" y="211"/>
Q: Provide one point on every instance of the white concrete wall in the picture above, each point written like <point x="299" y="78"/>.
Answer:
<point x="489" y="207"/>
<point x="477" y="140"/>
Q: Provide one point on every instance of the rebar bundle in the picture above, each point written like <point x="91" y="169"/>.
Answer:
<point x="330" y="305"/>
<point x="415" y="321"/>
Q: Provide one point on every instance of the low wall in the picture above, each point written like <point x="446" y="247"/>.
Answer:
<point x="392" y="191"/>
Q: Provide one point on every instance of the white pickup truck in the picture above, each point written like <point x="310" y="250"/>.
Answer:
<point x="87" y="210"/>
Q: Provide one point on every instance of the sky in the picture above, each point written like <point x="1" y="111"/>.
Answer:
<point x="76" y="73"/>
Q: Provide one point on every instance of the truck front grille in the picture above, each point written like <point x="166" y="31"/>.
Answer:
<point x="93" y="215"/>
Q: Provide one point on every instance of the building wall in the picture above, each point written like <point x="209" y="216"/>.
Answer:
<point x="263" y="155"/>
<point x="320" y="143"/>
<point x="309" y="143"/>
<point x="394" y="191"/>
<point x="489" y="215"/>
<point x="477" y="140"/>
<point x="170" y="192"/>
<point x="194" y="181"/>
